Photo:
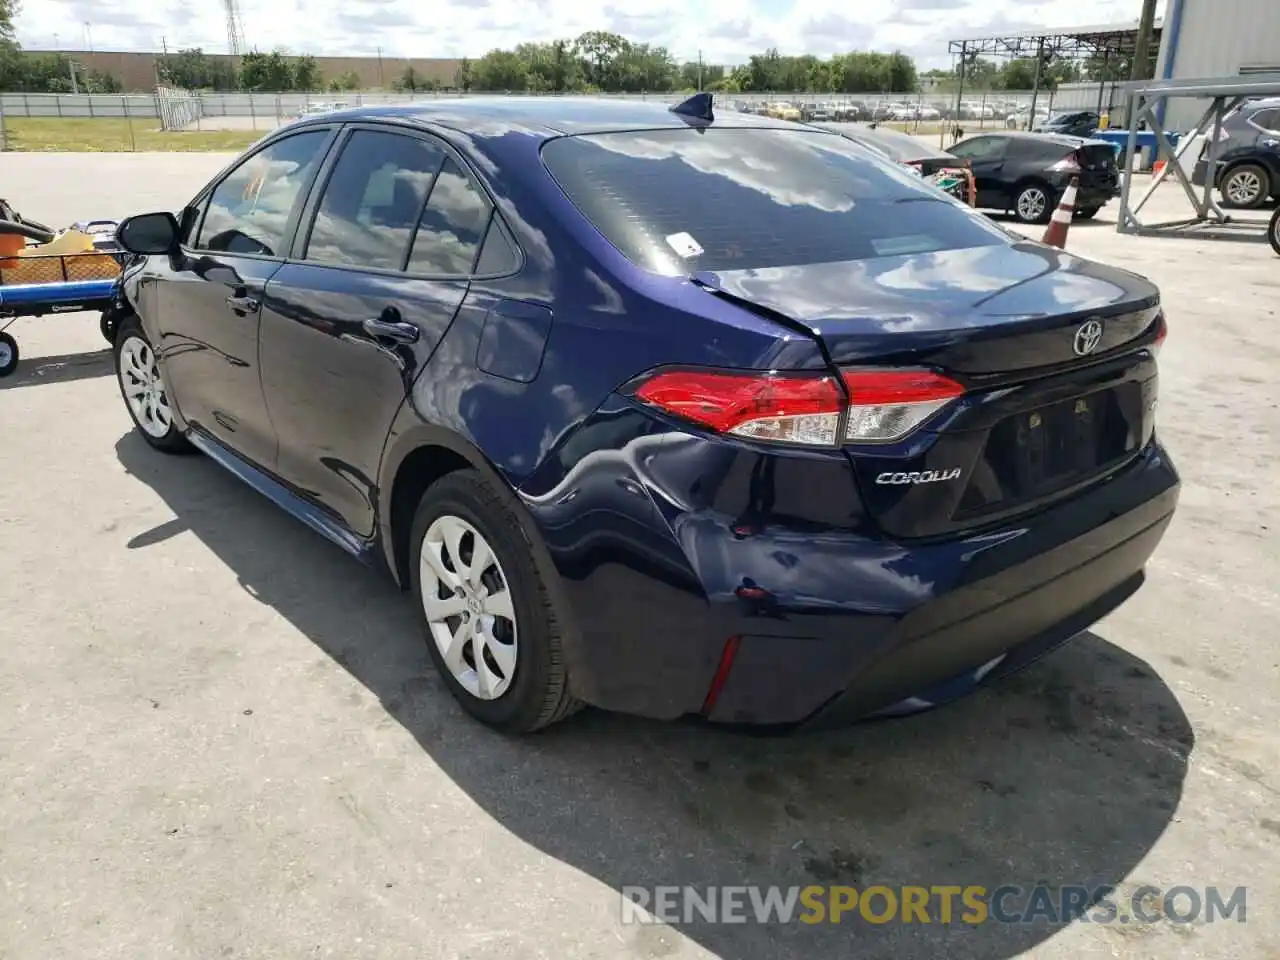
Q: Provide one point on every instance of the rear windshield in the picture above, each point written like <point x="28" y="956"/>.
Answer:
<point x="681" y="201"/>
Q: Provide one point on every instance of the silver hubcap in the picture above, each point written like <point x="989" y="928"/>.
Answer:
<point x="1244" y="187"/>
<point x="1031" y="203"/>
<point x="143" y="389"/>
<point x="6" y="354"/>
<point x="468" y="605"/>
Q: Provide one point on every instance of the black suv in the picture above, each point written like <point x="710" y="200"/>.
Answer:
<point x="1247" y="169"/>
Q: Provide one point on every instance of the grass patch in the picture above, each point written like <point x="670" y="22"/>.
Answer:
<point x="116" y="135"/>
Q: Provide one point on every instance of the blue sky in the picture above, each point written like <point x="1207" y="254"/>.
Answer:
<point x="724" y="30"/>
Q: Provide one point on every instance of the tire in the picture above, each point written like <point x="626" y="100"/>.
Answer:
<point x="8" y="355"/>
<point x="1245" y="187"/>
<point x="1273" y="232"/>
<point x="136" y="371"/>
<point x="1025" y="207"/>
<point x="1087" y="213"/>
<point x="528" y="691"/>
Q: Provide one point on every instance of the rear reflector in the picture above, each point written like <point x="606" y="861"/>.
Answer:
<point x="886" y="405"/>
<point x="875" y="406"/>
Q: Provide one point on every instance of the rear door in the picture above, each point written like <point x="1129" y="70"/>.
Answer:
<point x="382" y="263"/>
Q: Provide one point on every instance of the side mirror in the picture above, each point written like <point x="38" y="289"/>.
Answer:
<point x="148" y="233"/>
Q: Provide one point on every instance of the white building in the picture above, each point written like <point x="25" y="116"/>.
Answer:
<point x="1212" y="39"/>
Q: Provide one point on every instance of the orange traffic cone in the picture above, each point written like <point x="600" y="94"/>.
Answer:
<point x="1056" y="233"/>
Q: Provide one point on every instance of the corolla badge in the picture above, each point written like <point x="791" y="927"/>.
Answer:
<point x="890" y="478"/>
<point x="1088" y="336"/>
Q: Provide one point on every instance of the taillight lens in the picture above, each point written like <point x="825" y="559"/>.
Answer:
<point x="886" y="405"/>
<point x="804" y="410"/>
<point x="881" y="406"/>
<point x="1069" y="164"/>
<point x="1162" y="331"/>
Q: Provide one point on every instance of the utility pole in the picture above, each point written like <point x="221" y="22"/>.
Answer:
<point x="1142" y="45"/>
<point x="164" y="46"/>
<point x="699" y="71"/>
<point x="382" y="81"/>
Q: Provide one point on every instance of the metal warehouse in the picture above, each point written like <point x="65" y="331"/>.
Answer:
<point x="1213" y="39"/>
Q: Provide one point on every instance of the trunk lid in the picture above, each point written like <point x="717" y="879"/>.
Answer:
<point x="1052" y="404"/>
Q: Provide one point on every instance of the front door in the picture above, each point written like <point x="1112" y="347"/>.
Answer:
<point x="210" y="299"/>
<point x="383" y="262"/>
<point x="986" y="156"/>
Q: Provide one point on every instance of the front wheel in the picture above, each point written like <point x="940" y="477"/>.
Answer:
<point x="1032" y="204"/>
<point x="491" y="627"/>
<point x="145" y="395"/>
<point x="8" y="354"/>
<point x="1273" y="232"/>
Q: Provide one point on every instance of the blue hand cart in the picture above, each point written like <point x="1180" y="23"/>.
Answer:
<point x="33" y="285"/>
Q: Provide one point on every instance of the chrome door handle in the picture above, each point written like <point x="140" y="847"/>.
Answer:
<point x="391" y="329"/>
<point x="243" y="304"/>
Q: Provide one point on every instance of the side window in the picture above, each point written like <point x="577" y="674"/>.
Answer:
<point x="983" y="148"/>
<point x="452" y="226"/>
<point x="373" y="200"/>
<point x="1268" y="120"/>
<point x="499" y="255"/>
<point x="249" y="210"/>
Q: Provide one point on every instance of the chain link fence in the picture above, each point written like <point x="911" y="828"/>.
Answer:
<point x="158" y="121"/>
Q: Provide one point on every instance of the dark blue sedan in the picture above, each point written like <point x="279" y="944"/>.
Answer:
<point x="664" y="410"/>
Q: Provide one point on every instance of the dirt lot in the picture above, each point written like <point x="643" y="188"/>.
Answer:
<point x="222" y="738"/>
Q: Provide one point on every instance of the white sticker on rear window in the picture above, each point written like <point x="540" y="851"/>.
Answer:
<point x="684" y="245"/>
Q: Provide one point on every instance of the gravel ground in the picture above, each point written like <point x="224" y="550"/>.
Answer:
<point x="222" y="738"/>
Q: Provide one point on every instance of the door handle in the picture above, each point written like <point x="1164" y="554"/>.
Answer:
<point x="243" y="304"/>
<point x="391" y="329"/>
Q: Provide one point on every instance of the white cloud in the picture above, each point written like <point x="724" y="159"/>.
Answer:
<point x="726" y="31"/>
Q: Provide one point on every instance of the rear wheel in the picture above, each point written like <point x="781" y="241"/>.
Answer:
<point x="145" y="395"/>
<point x="1246" y="186"/>
<point x="8" y="354"/>
<point x="1273" y="234"/>
<point x="1033" y="204"/>
<point x="491" y="627"/>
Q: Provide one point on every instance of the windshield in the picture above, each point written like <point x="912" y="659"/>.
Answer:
<point x="686" y="200"/>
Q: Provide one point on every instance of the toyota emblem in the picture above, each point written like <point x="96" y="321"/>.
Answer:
<point x="1088" y="336"/>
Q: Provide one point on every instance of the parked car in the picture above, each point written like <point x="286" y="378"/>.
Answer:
<point x="1027" y="173"/>
<point x="1021" y="118"/>
<point x="1247" y="166"/>
<point x="820" y="111"/>
<point x="784" y="110"/>
<point x="661" y="411"/>
<point x="1074" y="123"/>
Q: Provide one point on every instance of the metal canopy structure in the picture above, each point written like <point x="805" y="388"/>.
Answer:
<point x="1103" y="42"/>
<point x="1145" y="100"/>
<point x="1073" y="43"/>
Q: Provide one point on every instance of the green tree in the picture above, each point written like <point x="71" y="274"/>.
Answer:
<point x="267" y="72"/>
<point x="306" y="74"/>
<point x="462" y="77"/>
<point x="344" y="82"/>
<point x="598" y="52"/>
<point x="193" y="69"/>
<point x="500" y="70"/>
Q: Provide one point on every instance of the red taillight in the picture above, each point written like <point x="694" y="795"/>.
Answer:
<point x="803" y="409"/>
<point x="886" y="405"/>
<point x="761" y="406"/>
<point x="1068" y="164"/>
<point x="1162" y="331"/>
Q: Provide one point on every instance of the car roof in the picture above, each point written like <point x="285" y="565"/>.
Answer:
<point x="1064" y="139"/>
<point x="548" y="116"/>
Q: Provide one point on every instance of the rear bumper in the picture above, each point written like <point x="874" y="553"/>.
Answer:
<point x="832" y="624"/>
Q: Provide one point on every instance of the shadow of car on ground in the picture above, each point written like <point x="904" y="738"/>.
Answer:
<point x="1064" y="774"/>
